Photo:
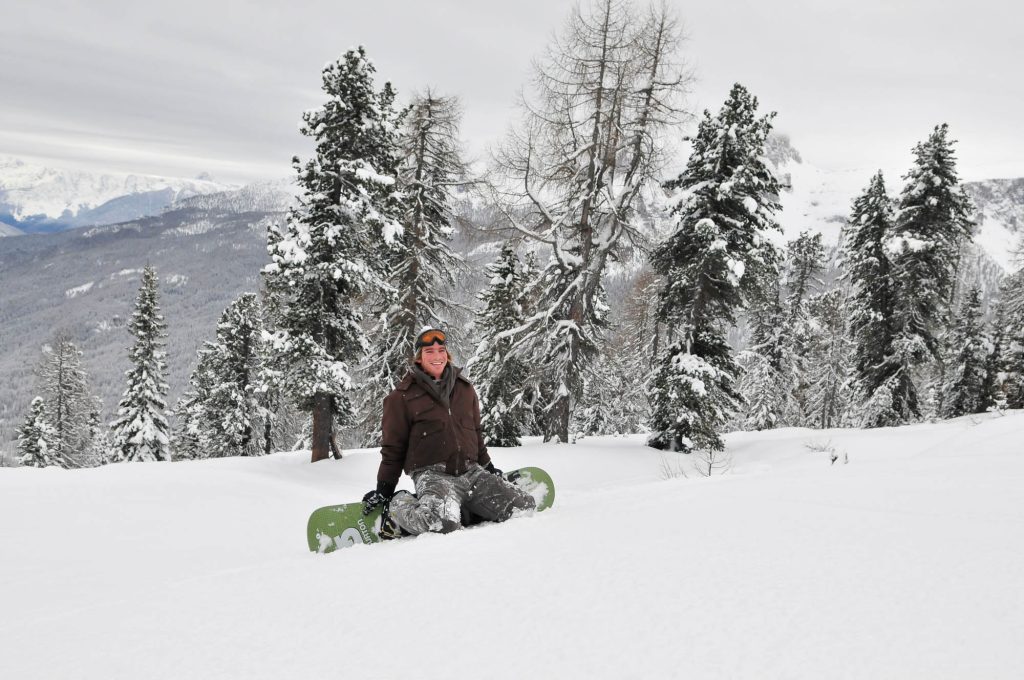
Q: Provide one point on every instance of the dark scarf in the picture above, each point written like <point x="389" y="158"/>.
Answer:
<point x="440" y="390"/>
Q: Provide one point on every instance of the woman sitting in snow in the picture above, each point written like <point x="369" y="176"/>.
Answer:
<point x="431" y="430"/>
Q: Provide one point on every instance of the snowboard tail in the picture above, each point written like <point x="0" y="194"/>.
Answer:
<point x="334" y="527"/>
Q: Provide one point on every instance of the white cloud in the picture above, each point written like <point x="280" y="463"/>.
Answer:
<point x="219" y="87"/>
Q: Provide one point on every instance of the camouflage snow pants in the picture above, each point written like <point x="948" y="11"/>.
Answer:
<point x="441" y="498"/>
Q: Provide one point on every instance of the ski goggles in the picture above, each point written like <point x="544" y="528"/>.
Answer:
<point x="430" y="337"/>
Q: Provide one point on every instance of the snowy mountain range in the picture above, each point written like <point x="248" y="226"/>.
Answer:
<point x="36" y="198"/>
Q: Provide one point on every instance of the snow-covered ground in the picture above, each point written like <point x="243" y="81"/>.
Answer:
<point x="904" y="563"/>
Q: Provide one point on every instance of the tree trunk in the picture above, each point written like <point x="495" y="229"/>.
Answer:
<point x="323" y="426"/>
<point x="560" y="418"/>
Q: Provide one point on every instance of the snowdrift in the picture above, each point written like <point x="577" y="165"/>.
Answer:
<point x="904" y="562"/>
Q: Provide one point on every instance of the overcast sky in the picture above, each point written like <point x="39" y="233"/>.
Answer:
<point x="179" y="88"/>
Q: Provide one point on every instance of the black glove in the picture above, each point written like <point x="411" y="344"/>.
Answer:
<point x="382" y="494"/>
<point x="490" y="468"/>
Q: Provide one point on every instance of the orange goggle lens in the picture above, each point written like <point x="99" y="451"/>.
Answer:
<point x="429" y="338"/>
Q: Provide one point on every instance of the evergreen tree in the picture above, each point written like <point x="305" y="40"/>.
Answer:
<point x="191" y="434"/>
<point x="992" y="396"/>
<point x="765" y="390"/>
<point x="140" y="430"/>
<point x="965" y="379"/>
<point x="65" y="386"/>
<point x="36" y="437"/>
<point x="332" y="250"/>
<point x="932" y="223"/>
<point x="422" y="266"/>
<point x="693" y="393"/>
<point x="724" y="206"/>
<point x="872" y="303"/>
<point x="829" y="391"/>
<point x="613" y="401"/>
<point x="223" y="412"/>
<point x="805" y="260"/>
<point x="878" y="410"/>
<point x="500" y="376"/>
<point x="98" y="452"/>
<point x="1011" y="372"/>
<point x="284" y="423"/>
<point x="236" y="396"/>
<point x="285" y="429"/>
<point x="630" y="351"/>
<point x="766" y="382"/>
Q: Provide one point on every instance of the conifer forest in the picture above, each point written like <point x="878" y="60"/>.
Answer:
<point x="639" y="279"/>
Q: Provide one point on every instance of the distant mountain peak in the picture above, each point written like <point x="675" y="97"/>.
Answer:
<point x="780" y="151"/>
<point x="42" y="198"/>
<point x="266" y="196"/>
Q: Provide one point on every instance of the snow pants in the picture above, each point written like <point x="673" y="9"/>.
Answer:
<point x="441" y="499"/>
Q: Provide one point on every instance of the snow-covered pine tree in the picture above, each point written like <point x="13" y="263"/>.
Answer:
<point x="965" y="375"/>
<point x="223" y="412"/>
<point x="65" y="387"/>
<point x="805" y="260"/>
<point x="284" y="425"/>
<point x="289" y="428"/>
<point x="331" y="251"/>
<point x="829" y="386"/>
<point x="36" y="438"/>
<point x="1011" y="317"/>
<point x="724" y="207"/>
<point x="575" y="175"/>
<point x="234" y="409"/>
<point x="499" y="376"/>
<point x="878" y="410"/>
<point x="932" y="223"/>
<point x="631" y="346"/>
<point x="237" y="397"/>
<point x="422" y="269"/>
<point x="190" y="440"/>
<point x="538" y="388"/>
<point x="766" y="382"/>
<point x="140" y="430"/>
<point x="98" y="452"/>
<point x="613" y="401"/>
<point x="992" y="397"/>
<point x="872" y="306"/>
<point x="765" y="391"/>
<point x="693" y="393"/>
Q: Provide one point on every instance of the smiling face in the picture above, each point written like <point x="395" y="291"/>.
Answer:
<point x="433" y="359"/>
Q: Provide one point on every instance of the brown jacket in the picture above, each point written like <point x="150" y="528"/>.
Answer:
<point x="418" y="430"/>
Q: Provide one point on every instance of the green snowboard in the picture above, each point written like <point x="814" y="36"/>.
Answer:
<point x="341" y="526"/>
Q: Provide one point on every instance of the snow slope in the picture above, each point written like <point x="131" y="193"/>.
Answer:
<point x="903" y="563"/>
